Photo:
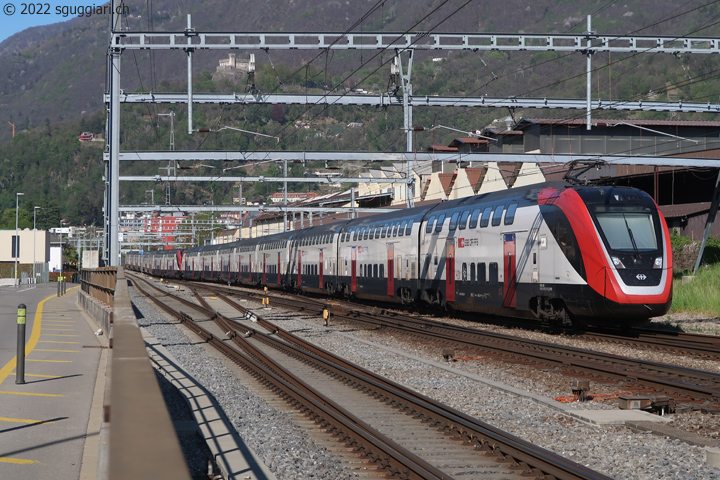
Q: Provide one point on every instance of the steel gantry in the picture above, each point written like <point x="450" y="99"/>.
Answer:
<point x="402" y="44"/>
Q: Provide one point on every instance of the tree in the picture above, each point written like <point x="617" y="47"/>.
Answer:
<point x="278" y="114"/>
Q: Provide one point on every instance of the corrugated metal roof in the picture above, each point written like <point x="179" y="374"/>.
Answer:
<point x="684" y="209"/>
<point x="441" y="148"/>
<point x="468" y="140"/>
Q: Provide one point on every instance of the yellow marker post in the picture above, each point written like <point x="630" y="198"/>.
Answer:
<point x="266" y="299"/>
<point x="20" y="369"/>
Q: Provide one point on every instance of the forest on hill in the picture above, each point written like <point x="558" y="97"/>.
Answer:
<point x="53" y="82"/>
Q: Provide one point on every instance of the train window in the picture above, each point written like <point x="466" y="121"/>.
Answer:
<point x="493" y="273"/>
<point x="408" y="229"/>
<point x="366" y="232"/>
<point x="375" y="270"/>
<point x="453" y="221"/>
<point x="401" y="230"/>
<point x="429" y="226"/>
<point x="354" y="235"/>
<point x="439" y="224"/>
<point x="463" y="220"/>
<point x="472" y="272"/>
<point x="383" y="232"/>
<point x="481" y="273"/>
<point x="510" y="214"/>
<point x="485" y="220"/>
<point x="497" y="215"/>
<point x="464" y="272"/>
<point x="372" y="233"/>
<point x="382" y="271"/>
<point x="474" y="218"/>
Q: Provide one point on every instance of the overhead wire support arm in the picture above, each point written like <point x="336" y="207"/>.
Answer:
<point x="420" y="101"/>
<point x="417" y="41"/>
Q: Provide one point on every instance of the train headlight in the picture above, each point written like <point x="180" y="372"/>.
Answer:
<point x="617" y="262"/>
<point x="658" y="263"/>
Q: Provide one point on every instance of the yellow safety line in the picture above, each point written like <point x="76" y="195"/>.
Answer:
<point x="62" y="351"/>
<point x="30" y="346"/>
<point x="32" y="394"/>
<point x="60" y="329"/>
<point x="21" y="420"/>
<point x="17" y="460"/>
<point x="57" y="341"/>
<point x="59" y="335"/>
<point x="38" y="375"/>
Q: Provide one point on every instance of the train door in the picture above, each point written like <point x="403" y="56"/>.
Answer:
<point x="321" y="267"/>
<point x="299" y="278"/>
<point x="510" y="279"/>
<point x="278" y="269"/>
<point x="450" y="270"/>
<point x="250" y="268"/>
<point x="353" y="270"/>
<point x="240" y="259"/>
<point x="390" y="269"/>
<point x="264" y="281"/>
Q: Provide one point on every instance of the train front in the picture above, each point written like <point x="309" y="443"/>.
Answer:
<point x="625" y="247"/>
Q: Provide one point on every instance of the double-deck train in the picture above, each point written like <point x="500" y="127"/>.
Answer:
<point x="555" y="252"/>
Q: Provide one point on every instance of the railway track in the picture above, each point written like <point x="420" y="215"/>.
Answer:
<point x="408" y="435"/>
<point x="685" y="384"/>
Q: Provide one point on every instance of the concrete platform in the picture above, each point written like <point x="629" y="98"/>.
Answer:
<point x="50" y="425"/>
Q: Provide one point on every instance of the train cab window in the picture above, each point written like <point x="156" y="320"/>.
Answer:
<point x="474" y="218"/>
<point x="454" y="221"/>
<point x="493" y="274"/>
<point x="463" y="220"/>
<point x="472" y="272"/>
<point x="440" y="222"/>
<point x="485" y="220"/>
<point x="510" y="214"/>
<point x="497" y="215"/>
<point x="481" y="273"/>
<point x="401" y="230"/>
<point x="429" y="226"/>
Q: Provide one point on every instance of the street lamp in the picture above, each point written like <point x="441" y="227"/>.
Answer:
<point x="35" y="209"/>
<point x="16" y="240"/>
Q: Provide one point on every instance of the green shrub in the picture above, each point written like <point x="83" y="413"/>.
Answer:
<point x="700" y="295"/>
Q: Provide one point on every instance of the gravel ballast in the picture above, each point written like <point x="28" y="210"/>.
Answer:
<point x="291" y="453"/>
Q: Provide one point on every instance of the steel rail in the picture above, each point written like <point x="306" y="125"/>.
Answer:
<point x="395" y="459"/>
<point x="678" y="381"/>
<point x="487" y="438"/>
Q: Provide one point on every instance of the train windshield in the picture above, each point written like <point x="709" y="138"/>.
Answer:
<point x="629" y="228"/>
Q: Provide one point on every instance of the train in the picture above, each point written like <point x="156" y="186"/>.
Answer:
<point x="558" y="253"/>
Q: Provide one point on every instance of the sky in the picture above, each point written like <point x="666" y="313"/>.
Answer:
<point x="51" y="11"/>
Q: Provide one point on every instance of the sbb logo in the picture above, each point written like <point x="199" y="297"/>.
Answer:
<point x="461" y="243"/>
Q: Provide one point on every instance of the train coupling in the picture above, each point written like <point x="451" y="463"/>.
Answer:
<point x="659" y="404"/>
